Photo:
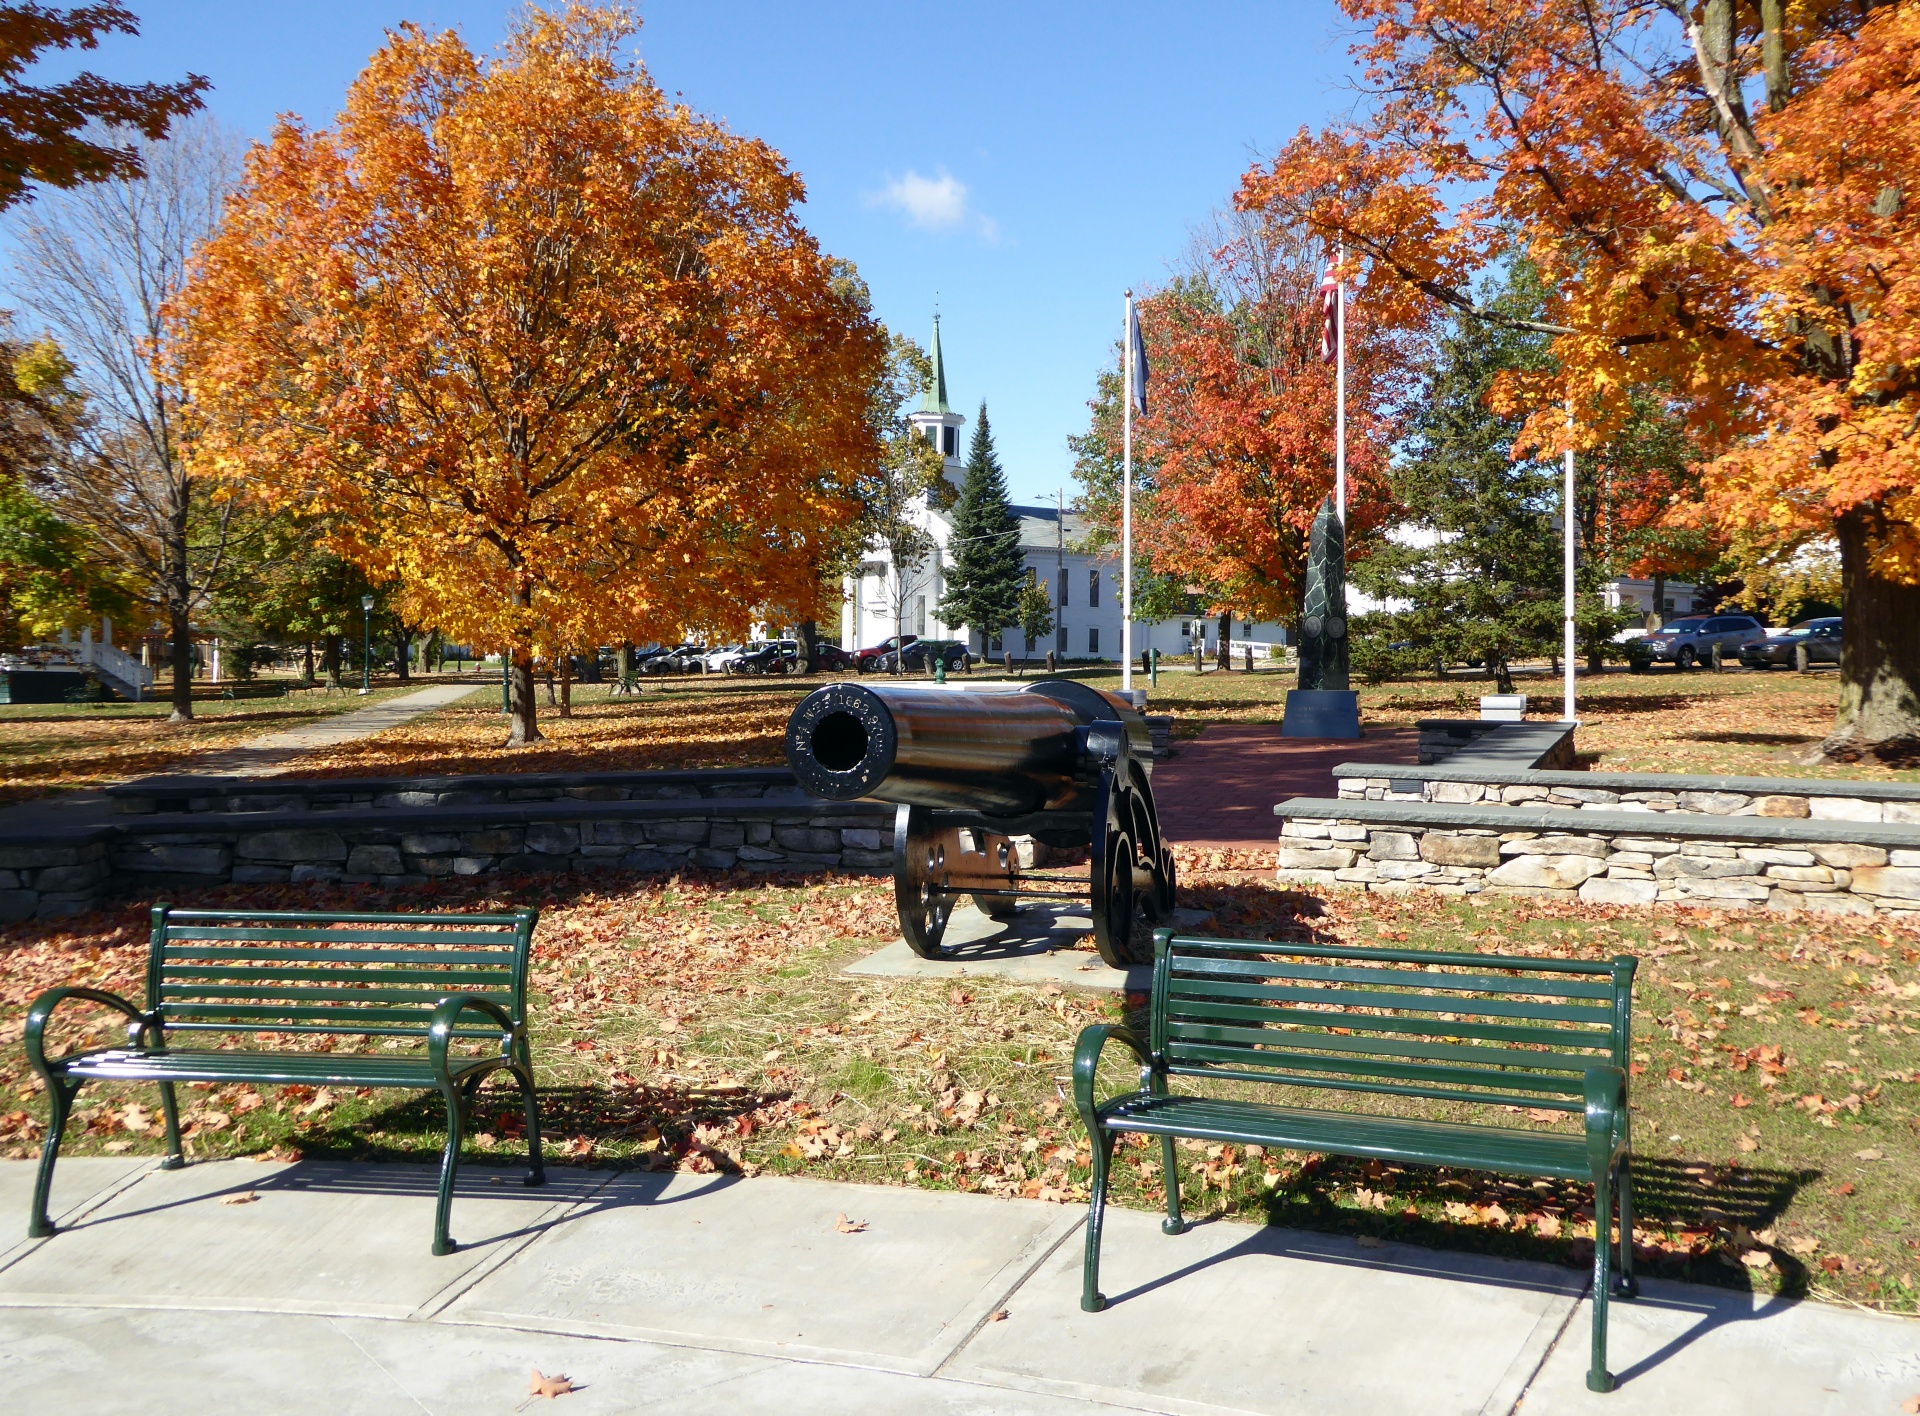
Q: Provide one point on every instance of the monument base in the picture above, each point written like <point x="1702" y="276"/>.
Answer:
<point x="1321" y="713"/>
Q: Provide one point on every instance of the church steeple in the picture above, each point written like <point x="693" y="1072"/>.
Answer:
<point x="935" y="419"/>
<point x="936" y="397"/>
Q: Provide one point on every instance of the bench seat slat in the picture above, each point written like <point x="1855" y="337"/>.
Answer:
<point x="1276" y="1058"/>
<point x="1420" y="978"/>
<point x="171" y="993"/>
<point x="1363" y="1023"/>
<point x="1415" y="1090"/>
<point x="459" y="937"/>
<point x="468" y="978"/>
<point x="490" y="958"/>
<point x="1497" y="1148"/>
<point x="358" y="1069"/>
<point x="1189" y="945"/>
<point x="1502" y="1059"/>
<point x="1185" y="989"/>
<point x="417" y="1030"/>
<point x="343" y="1017"/>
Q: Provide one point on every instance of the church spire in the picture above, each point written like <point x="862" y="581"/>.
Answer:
<point x="936" y="398"/>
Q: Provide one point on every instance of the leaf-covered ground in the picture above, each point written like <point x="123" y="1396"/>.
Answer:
<point x="704" y="1023"/>
<point x="56" y="747"/>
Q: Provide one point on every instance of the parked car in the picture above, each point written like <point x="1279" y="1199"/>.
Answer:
<point x="717" y="660"/>
<point x="1685" y="642"/>
<point x="832" y="659"/>
<point x="918" y="655"/>
<point x="686" y="659"/>
<point x="776" y="656"/>
<point x="867" y="658"/>
<point x="1821" y="636"/>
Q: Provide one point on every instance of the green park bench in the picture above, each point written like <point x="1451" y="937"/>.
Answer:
<point x="1485" y="1032"/>
<point x="450" y="988"/>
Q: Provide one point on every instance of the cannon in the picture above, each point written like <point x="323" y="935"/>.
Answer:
<point x="970" y="770"/>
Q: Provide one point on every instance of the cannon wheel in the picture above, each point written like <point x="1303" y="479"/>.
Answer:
<point x="1129" y="884"/>
<point x="919" y="893"/>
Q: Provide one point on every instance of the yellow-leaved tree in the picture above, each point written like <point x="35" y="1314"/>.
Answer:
<point x="545" y="348"/>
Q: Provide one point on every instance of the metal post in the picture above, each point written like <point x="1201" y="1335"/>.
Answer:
<point x="1126" y="504"/>
<point x="1340" y="391"/>
<point x="366" y="645"/>
<point x="506" y="680"/>
<point x="1566" y="517"/>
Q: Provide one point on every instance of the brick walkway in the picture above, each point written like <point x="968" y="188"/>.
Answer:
<point x="1221" y="788"/>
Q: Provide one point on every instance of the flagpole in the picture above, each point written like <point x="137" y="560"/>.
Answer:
<point x="1566" y="519"/>
<point x="1340" y="391"/>
<point x="1126" y="502"/>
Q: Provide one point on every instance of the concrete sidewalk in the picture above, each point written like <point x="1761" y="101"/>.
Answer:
<point x="714" y="1294"/>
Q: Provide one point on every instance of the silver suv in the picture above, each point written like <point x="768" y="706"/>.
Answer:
<point x="1685" y="642"/>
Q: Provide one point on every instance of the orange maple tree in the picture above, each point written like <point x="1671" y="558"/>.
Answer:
<point x="1236" y="451"/>
<point x="541" y="346"/>
<point x="1755" y="266"/>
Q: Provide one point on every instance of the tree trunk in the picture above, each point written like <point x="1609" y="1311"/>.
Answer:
<point x="181" y="630"/>
<point x="330" y="660"/>
<point x="1879" y="713"/>
<point x="403" y="655"/>
<point x="809" y="636"/>
<point x="566" y="685"/>
<point x="306" y="670"/>
<point x="1657" y="616"/>
<point x="1224" y="649"/>
<point x="525" y="727"/>
<point x="627" y="682"/>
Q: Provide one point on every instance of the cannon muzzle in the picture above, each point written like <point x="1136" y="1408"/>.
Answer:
<point x="1000" y="752"/>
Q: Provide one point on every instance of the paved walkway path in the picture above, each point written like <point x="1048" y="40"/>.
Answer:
<point x="259" y="757"/>
<point x="712" y="1294"/>
<point x="1220" y="789"/>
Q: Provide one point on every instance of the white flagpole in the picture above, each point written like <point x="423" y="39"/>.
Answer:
<point x="1340" y="391"/>
<point x="1126" y="502"/>
<point x="1566" y="518"/>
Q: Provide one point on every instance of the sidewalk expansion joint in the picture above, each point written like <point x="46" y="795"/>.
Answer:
<point x="1001" y="1302"/>
<point x="1546" y="1354"/>
<point x="554" y="1216"/>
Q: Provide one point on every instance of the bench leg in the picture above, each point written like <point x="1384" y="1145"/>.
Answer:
<point x="1091" y="1298"/>
<point x="59" y="1106"/>
<point x="536" y="1164"/>
<point x="1626" y="1285"/>
<point x="1170" y="1172"/>
<point x="1598" y="1377"/>
<point x="449" y="1167"/>
<point x="170" y="1109"/>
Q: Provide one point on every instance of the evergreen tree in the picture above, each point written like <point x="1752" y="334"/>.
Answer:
<point x="1481" y="571"/>
<point x="988" y="570"/>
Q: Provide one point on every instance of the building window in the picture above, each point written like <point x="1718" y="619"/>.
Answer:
<point x="1062" y="637"/>
<point x="994" y="646"/>
<point x="1093" y="640"/>
<point x="1093" y="588"/>
<point x="920" y="614"/>
<point x="933" y="436"/>
<point x="950" y="441"/>
<point x="1063" y="587"/>
<point x="1186" y="629"/>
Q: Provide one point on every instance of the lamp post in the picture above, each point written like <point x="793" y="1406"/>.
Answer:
<point x="366" y="645"/>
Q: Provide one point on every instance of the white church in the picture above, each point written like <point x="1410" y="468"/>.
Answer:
<point x="1086" y="588"/>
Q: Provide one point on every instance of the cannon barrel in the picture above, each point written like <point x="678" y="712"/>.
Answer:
<point x="1001" y="752"/>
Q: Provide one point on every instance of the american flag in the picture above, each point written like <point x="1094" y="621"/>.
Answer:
<point x="1330" y="310"/>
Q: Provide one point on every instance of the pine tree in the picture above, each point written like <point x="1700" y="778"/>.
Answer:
<point x="984" y="581"/>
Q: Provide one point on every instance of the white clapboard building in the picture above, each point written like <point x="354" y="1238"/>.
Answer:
<point x="1085" y="588"/>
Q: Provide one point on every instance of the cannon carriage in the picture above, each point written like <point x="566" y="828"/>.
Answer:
<point x="973" y="772"/>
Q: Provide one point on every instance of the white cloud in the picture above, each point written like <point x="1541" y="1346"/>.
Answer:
<point x="934" y="204"/>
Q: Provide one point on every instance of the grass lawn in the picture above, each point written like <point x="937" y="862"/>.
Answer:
<point x="704" y="1023"/>
<point x="1739" y="722"/>
<point x="51" y="747"/>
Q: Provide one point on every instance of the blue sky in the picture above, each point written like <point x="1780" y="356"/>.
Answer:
<point x="1021" y="163"/>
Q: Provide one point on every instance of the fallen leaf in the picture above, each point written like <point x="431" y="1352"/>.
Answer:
<point x="1911" y="1405"/>
<point x="849" y="1226"/>
<point x="1802" y="1244"/>
<point x="1546" y="1117"/>
<point x="998" y="1315"/>
<point x="1870" y="1153"/>
<point x="1747" y="1143"/>
<point x="1846" y="1189"/>
<point x="322" y="1099"/>
<point x="546" y="1386"/>
<point x="1757" y="1259"/>
<point x="245" y="1197"/>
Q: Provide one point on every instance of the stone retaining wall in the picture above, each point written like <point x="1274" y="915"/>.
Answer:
<point x="396" y="845"/>
<point x="1605" y="857"/>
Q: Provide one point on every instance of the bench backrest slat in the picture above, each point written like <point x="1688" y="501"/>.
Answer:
<point x="284" y="971"/>
<point x="1434" y="1025"/>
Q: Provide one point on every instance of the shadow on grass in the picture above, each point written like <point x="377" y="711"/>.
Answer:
<point x="1758" y="739"/>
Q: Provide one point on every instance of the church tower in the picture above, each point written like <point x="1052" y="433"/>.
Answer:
<point x="935" y="419"/>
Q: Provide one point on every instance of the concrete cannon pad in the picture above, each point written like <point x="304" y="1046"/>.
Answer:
<point x="320" y="1237"/>
<point x="761" y="1267"/>
<point x="1234" y="1317"/>
<point x="1040" y="944"/>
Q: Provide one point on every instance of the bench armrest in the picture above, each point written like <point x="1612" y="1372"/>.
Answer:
<point x="446" y="1016"/>
<point x="1606" y="1114"/>
<point x="140" y="1025"/>
<point x="1086" y="1061"/>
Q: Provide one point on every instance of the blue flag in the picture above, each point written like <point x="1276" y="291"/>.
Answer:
<point x="1137" y="346"/>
